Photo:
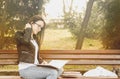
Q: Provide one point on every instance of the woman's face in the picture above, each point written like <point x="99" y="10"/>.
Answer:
<point x="37" y="26"/>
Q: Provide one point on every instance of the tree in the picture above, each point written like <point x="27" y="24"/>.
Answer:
<point x="13" y="15"/>
<point x="72" y="19"/>
<point x="84" y="25"/>
<point x="96" y="21"/>
<point x="67" y="14"/>
<point x="111" y="33"/>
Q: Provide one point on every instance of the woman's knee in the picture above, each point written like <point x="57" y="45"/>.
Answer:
<point x="54" y="72"/>
<point x="60" y="71"/>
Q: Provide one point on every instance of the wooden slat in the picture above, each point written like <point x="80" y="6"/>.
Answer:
<point x="94" y="62"/>
<point x="70" y="51"/>
<point x="66" y="56"/>
<point x="8" y="62"/>
<point x="82" y="51"/>
<point x="72" y="62"/>
<point x="89" y="78"/>
<point x="5" y="56"/>
<point x="74" y="57"/>
<point x="8" y="51"/>
<point x="18" y="77"/>
<point x="10" y="77"/>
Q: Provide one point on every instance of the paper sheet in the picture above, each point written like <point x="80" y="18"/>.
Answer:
<point x="58" y="63"/>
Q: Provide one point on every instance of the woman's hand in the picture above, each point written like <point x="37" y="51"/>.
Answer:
<point x="27" y="26"/>
<point x="44" y="62"/>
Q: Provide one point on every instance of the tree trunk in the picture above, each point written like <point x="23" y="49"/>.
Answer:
<point x="84" y="25"/>
<point x="71" y="5"/>
<point x="64" y="11"/>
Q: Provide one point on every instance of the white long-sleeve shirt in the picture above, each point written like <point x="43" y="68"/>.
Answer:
<point x="23" y="65"/>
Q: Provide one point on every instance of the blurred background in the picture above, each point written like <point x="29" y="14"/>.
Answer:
<point x="71" y="24"/>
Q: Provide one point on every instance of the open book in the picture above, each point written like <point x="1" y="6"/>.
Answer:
<point x="56" y="64"/>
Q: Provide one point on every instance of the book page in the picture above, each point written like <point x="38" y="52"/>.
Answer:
<point x="56" y="64"/>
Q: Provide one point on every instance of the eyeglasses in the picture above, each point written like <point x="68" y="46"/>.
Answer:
<point x="38" y="25"/>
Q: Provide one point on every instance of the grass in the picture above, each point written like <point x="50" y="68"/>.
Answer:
<point x="62" y="39"/>
<point x="58" y="39"/>
<point x="8" y="67"/>
<point x="85" y="67"/>
<point x="92" y="44"/>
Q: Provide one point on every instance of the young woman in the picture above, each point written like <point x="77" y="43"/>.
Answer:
<point x="28" y="44"/>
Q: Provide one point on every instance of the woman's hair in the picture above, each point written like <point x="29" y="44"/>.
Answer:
<point x="40" y="35"/>
<point x="35" y="19"/>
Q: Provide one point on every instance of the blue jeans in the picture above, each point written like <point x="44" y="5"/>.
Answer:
<point x="35" y="72"/>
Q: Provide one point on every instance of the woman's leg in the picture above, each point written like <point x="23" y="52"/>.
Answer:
<point x="35" y="72"/>
<point x="60" y="71"/>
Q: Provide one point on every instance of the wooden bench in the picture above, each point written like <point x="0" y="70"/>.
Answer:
<point x="76" y="57"/>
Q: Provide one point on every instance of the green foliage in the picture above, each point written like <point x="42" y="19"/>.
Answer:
<point x="96" y="21"/>
<point x="13" y="15"/>
<point x="72" y="21"/>
<point x="111" y="35"/>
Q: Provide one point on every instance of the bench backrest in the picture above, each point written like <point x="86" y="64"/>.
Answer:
<point x="77" y="57"/>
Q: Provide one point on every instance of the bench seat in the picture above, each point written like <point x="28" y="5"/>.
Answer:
<point x="76" y="57"/>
